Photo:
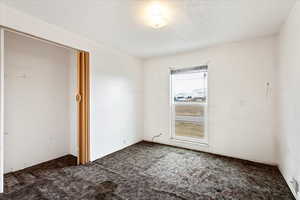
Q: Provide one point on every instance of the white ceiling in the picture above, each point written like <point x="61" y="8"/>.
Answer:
<point x="193" y="24"/>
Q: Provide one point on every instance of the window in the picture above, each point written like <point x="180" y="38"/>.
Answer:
<point x="189" y="104"/>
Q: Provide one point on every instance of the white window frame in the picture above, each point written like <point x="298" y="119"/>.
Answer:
<point x="173" y="136"/>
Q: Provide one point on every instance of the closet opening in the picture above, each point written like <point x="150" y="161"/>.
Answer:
<point x="45" y="104"/>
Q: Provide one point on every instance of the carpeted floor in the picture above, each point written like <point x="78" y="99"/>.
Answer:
<point x="149" y="171"/>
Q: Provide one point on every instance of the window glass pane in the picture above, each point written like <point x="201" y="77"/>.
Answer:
<point x="189" y="129"/>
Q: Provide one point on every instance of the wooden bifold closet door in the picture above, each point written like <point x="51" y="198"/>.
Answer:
<point x="83" y="106"/>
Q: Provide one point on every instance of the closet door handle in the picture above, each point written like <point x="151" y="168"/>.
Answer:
<point x="78" y="98"/>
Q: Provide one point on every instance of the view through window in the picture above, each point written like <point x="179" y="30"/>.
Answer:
<point x="189" y="103"/>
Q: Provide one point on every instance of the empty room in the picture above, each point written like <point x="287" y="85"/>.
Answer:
<point x="149" y="99"/>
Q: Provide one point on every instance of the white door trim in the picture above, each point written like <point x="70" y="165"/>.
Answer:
<point x="1" y="110"/>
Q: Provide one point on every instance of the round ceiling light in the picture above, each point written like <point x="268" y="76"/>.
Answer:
<point x="157" y="15"/>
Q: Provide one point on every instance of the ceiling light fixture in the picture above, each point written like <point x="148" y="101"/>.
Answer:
<point x="157" y="15"/>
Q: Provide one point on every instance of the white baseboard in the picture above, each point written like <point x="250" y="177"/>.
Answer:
<point x="297" y="197"/>
<point x="205" y="148"/>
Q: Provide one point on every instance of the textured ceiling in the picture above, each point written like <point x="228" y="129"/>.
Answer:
<point x="193" y="24"/>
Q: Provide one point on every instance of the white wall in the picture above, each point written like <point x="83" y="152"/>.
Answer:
<point x="116" y="84"/>
<point x="240" y="112"/>
<point x="289" y="97"/>
<point x="38" y="121"/>
<point x="116" y="102"/>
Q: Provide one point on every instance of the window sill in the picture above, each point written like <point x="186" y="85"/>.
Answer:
<point x="203" y="143"/>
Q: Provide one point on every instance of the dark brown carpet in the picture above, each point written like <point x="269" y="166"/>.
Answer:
<point x="149" y="171"/>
